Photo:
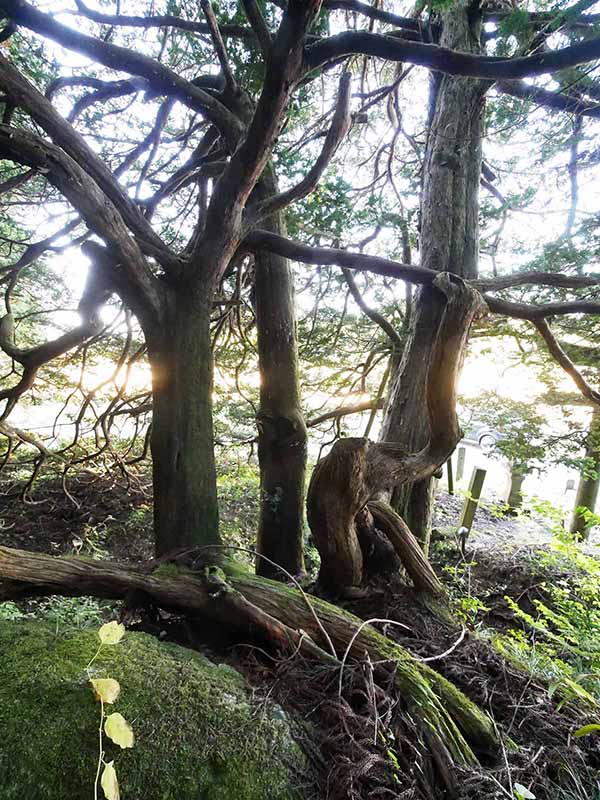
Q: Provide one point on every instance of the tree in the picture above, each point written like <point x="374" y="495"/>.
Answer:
<point x="522" y="438"/>
<point x="194" y="208"/>
<point x="587" y="489"/>
<point x="170" y="288"/>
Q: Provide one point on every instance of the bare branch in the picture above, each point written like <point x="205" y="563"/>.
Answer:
<point x="451" y="62"/>
<point x="98" y="211"/>
<point x="560" y="101"/>
<point x="26" y="96"/>
<point x="340" y="125"/>
<point x="538" y="312"/>
<point x="284" y="70"/>
<point x="344" y="411"/>
<point x="159" y="77"/>
<point x="95" y="294"/>
<point x="260" y="239"/>
<point x="259" y="26"/>
<point x="373" y="12"/>
<point x="218" y="44"/>
<point x="161" y="21"/>
<point x="538" y="279"/>
<point x="565" y="362"/>
<point x="373" y="315"/>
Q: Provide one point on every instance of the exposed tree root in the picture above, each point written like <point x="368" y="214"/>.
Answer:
<point x="356" y="471"/>
<point x="454" y="730"/>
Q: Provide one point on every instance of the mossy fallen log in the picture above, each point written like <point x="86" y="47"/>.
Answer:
<point x="455" y="730"/>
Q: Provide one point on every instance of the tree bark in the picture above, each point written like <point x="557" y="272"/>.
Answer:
<point x="449" y="242"/>
<point x="356" y="471"/>
<point x="589" y="482"/>
<point x="282" y="431"/>
<point x="182" y="443"/>
<point x="407" y="547"/>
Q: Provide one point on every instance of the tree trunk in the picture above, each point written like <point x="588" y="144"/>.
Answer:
<point x="449" y="242"/>
<point x="184" y="476"/>
<point x="589" y="482"/>
<point x="405" y="420"/>
<point x="281" y="428"/>
<point x="407" y="547"/>
<point x="356" y="471"/>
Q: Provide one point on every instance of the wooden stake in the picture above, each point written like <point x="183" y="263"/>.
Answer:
<point x="472" y="501"/>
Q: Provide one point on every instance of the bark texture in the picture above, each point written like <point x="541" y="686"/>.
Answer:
<point x="184" y="477"/>
<point x="357" y="471"/>
<point x="449" y="242"/>
<point x="281" y="428"/>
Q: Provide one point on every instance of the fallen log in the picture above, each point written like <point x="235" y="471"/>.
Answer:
<point x="282" y="618"/>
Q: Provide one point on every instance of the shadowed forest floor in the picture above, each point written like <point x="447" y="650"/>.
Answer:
<point x="489" y="653"/>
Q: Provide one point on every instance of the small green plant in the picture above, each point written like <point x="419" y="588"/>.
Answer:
<point x="70" y="612"/>
<point x="11" y="612"/>
<point x="467" y="607"/>
<point x="560" y="639"/>
<point x="114" y="725"/>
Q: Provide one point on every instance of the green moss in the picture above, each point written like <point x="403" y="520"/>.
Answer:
<point x="168" y="570"/>
<point x="198" y="737"/>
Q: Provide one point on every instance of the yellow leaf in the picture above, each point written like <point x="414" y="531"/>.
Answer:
<point x="106" y="689"/>
<point x="109" y="782"/>
<point x="119" y="730"/>
<point x="111" y="632"/>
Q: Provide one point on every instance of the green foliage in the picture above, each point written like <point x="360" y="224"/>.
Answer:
<point x="524" y="438"/>
<point x="466" y="606"/>
<point x="61" y="613"/>
<point x="11" y="612"/>
<point x="238" y="492"/>
<point x="560" y="636"/>
<point x="516" y="23"/>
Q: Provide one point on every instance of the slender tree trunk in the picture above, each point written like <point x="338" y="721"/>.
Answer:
<point x="281" y="428"/>
<point x="184" y="476"/>
<point x="589" y="482"/>
<point x="449" y="241"/>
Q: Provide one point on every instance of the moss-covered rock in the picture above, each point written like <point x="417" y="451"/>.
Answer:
<point x="198" y="735"/>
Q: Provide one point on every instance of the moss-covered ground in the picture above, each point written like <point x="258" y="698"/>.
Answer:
<point x="198" y="735"/>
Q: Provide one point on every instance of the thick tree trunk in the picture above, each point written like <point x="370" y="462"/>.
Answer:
<point x="589" y="482"/>
<point x="449" y="242"/>
<point x="357" y="471"/>
<point x="281" y="428"/>
<point x="405" y="420"/>
<point x="185" y="490"/>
